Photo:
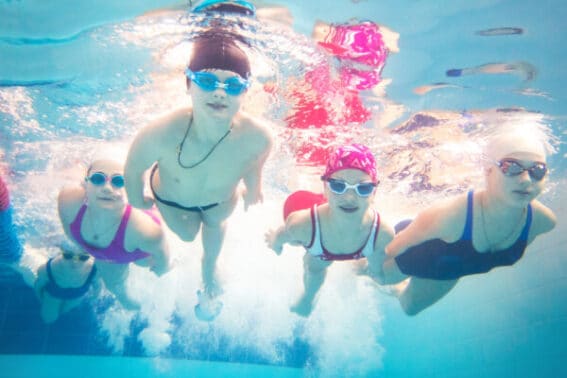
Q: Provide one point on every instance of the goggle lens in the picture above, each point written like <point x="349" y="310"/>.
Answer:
<point x="513" y="168"/>
<point x="72" y="256"/>
<point x="209" y="82"/>
<point x="363" y="189"/>
<point x="100" y="178"/>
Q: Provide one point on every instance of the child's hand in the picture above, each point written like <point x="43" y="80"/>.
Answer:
<point x="145" y="202"/>
<point x="271" y="237"/>
<point x="251" y="198"/>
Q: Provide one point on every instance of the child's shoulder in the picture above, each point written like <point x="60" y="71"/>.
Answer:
<point x="70" y="199"/>
<point x="544" y="219"/>
<point x="254" y="126"/>
<point x="165" y="124"/>
<point x="300" y="226"/>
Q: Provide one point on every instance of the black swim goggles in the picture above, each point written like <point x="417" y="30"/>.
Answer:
<point x="100" y="178"/>
<point x="511" y="167"/>
<point x="208" y="82"/>
<point x="74" y="256"/>
<point x="362" y="189"/>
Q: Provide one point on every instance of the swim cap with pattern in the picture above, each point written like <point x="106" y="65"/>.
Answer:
<point x="353" y="156"/>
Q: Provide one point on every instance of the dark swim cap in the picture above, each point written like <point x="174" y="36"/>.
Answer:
<point x="219" y="51"/>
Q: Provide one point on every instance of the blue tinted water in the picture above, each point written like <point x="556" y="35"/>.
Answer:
<point x="79" y="77"/>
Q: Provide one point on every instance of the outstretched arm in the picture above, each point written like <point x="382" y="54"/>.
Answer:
<point x="443" y="220"/>
<point x="40" y="282"/>
<point x="150" y="238"/>
<point x="160" y="256"/>
<point x="544" y="220"/>
<point x="69" y="201"/>
<point x="143" y="152"/>
<point x="374" y="264"/>
<point x="295" y="231"/>
<point x="253" y="179"/>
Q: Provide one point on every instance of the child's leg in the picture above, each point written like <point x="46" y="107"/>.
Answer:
<point x="50" y="307"/>
<point x="417" y="294"/>
<point x="213" y="233"/>
<point x="213" y="239"/>
<point x="314" y="274"/>
<point x="114" y="277"/>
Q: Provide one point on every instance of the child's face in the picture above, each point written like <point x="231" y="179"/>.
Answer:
<point x="105" y="184"/>
<point x="513" y="182"/>
<point x="352" y="201"/>
<point x="210" y="97"/>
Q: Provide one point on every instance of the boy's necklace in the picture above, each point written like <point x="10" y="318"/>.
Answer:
<point x="180" y="147"/>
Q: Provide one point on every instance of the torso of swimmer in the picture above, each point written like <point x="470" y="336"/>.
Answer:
<point x="499" y="211"/>
<point x="203" y="152"/>
<point x="190" y="177"/>
<point x="102" y="192"/>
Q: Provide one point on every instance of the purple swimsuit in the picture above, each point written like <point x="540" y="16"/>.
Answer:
<point x="115" y="252"/>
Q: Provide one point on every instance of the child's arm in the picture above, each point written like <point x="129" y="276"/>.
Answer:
<point x="40" y="282"/>
<point x="375" y="261"/>
<point x="151" y="239"/>
<point x="143" y="152"/>
<point x="253" y="178"/>
<point x="277" y="238"/>
<point x="160" y="256"/>
<point x="295" y="231"/>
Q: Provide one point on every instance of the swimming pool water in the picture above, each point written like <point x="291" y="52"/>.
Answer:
<point x="77" y="77"/>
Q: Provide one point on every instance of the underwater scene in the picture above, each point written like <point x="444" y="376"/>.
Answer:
<point x="168" y="167"/>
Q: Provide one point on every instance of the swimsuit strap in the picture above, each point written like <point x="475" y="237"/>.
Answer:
<point x="376" y="230"/>
<point x="49" y="271"/>
<point x="314" y="227"/>
<point x="91" y="276"/>
<point x="467" y="232"/>
<point x="526" y="230"/>
<point x="75" y="226"/>
<point x="120" y="235"/>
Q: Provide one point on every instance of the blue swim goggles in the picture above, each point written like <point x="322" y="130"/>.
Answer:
<point x="100" y="178"/>
<point x="232" y="6"/>
<point x="208" y="82"/>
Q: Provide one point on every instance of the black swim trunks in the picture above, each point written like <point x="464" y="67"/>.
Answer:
<point x="195" y="209"/>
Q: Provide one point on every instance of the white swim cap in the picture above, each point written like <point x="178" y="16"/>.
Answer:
<point x="501" y="145"/>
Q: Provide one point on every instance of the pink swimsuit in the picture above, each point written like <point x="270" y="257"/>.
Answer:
<point x="115" y="252"/>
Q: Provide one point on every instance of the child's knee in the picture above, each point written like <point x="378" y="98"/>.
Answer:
<point x="411" y="309"/>
<point x="187" y="236"/>
<point x="187" y="233"/>
<point x="49" y="315"/>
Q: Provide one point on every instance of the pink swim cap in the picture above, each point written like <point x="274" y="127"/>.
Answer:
<point x="353" y="156"/>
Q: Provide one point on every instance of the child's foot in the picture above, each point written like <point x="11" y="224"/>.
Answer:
<point x="302" y="308"/>
<point x="208" y="307"/>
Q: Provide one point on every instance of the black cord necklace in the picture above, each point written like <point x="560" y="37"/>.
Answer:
<point x="180" y="147"/>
